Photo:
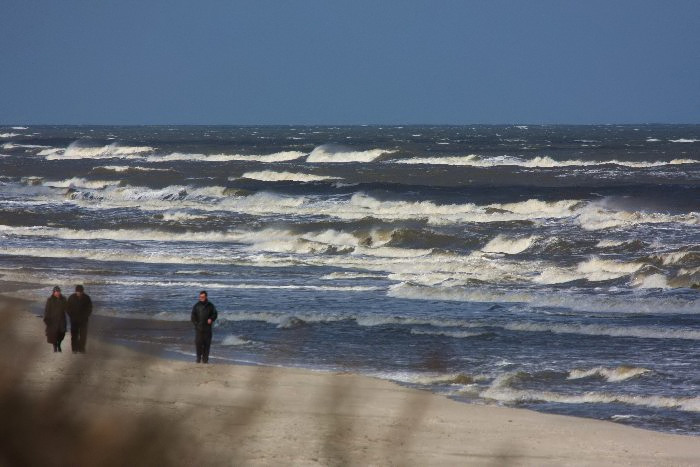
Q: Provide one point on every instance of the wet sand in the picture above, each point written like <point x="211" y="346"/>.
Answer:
<point x="249" y="415"/>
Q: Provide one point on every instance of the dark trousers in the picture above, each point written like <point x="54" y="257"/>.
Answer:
<point x="78" y="336"/>
<point x="59" y="339"/>
<point x="202" y="341"/>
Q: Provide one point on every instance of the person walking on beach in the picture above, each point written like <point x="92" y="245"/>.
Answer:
<point x="203" y="316"/>
<point x="55" y="318"/>
<point x="79" y="310"/>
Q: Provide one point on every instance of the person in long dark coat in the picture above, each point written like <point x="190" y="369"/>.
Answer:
<point x="79" y="310"/>
<point x="55" y="318"/>
<point x="203" y="316"/>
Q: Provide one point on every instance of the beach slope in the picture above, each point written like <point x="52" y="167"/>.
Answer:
<point x="250" y="415"/>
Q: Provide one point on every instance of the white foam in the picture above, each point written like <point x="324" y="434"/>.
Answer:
<point x="25" y="146"/>
<point x="9" y="135"/>
<point x="271" y="176"/>
<point x="597" y="269"/>
<point x="676" y="257"/>
<point x="455" y="334"/>
<point x="329" y="153"/>
<point x="428" y="378"/>
<point x="234" y="340"/>
<point x="620" y="373"/>
<point x="78" y="151"/>
<point x="653" y="281"/>
<point x="608" y="243"/>
<point x="507" y="394"/>
<point x="51" y="152"/>
<point x="591" y="215"/>
<point x="275" y="157"/>
<point x="597" y="216"/>
<point x="511" y="246"/>
<point x="179" y="216"/>
<point x="475" y="160"/>
<point x="684" y="140"/>
<point x="352" y="275"/>
<point x="124" y="168"/>
<point x="20" y="128"/>
<point x="81" y="183"/>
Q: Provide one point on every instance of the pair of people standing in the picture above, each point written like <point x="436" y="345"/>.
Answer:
<point x="78" y="307"/>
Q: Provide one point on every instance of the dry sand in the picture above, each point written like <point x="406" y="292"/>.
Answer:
<point x="247" y="415"/>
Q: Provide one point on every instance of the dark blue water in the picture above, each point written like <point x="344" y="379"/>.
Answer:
<point x="549" y="267"/>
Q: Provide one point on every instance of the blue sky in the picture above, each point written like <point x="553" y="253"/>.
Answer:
<point x="351" y="62"/>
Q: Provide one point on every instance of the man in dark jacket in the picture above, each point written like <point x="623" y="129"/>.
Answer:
<point x="79" y="309"/>
<point x="203" y="316"/>
<point x="55" y="318"/>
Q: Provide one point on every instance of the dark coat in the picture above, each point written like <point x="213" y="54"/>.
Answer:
<point x="79" y="308"/>
<point x="55" y="319"/>
<point x="201" y="312"/>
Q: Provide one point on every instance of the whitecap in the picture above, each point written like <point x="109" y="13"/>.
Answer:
<point x="331" y="153"/>
<point x="271" y="176"/>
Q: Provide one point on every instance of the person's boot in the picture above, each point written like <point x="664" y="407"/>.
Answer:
<point x="55" y="348"/>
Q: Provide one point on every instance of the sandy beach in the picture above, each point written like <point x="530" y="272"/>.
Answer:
<point x="249" y="415"/>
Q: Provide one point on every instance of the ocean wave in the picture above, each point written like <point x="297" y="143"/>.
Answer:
<point x="247" y="286"/>
<point x="271" y="176"/>
<point x="475" y="160"/>
<point x="78" y="182"/>
<point x="454" y="334"/>
<point x="23" y="146"/>
<point x="597" y="216"/>
<point x="623" y="304"/>
<point x="653" y="281"/>
<point x="9" y="135"/>
<point x="685" y="258"/>
<point x="506" y="394"/>
<point x="128" y="169"/>
<point x="511" y="246"/>
<point x="179" y="216"/>
<point x="641" y="332"/>
<point x="78" y="150"/>
<point x="429" y="379"/>
<point x="684" y="140"/>
<point x="343" y="275"/>
<point x="234" y="340"/>
<point x="335" y="154"/>
<point x="589" y="215"/>
<point x="620" y="373"/>
<point x="277" y="318"/>
<point x="275" y="157"/>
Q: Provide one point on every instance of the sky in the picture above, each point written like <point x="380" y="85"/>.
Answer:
<point x="349" y="62"/>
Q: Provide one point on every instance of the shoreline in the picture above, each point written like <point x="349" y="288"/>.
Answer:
<point x="260" y="414"/>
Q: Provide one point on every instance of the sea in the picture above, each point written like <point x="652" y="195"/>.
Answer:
<point x="548" y="267"/>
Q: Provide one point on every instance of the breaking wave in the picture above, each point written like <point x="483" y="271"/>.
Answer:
<point x="275" y="157"/>
<point x="332" y="153"/>
<point x="620" y="373"/>
<point x="537" y="162"/>
<point x="77" y="182"/>
<point x="234" y="340"/>
<point x="511" y="246"/>
<point x="128" y="169"/>
<point x="271" y="176"/>
<point x="79" y="151"/>
<point x="507" y="394"/>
